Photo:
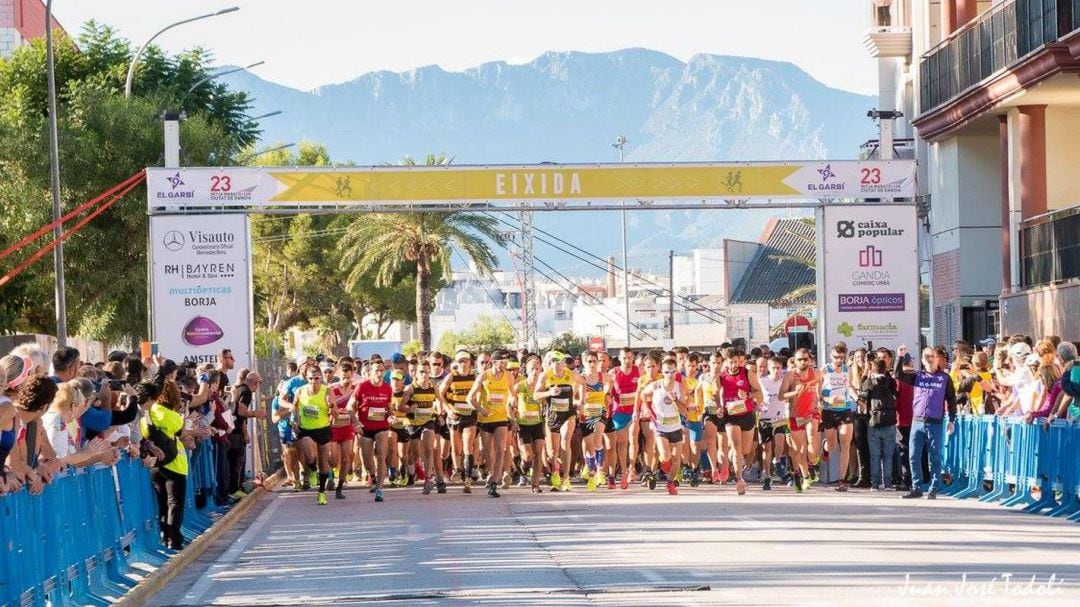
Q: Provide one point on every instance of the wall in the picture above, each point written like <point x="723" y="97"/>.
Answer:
<point x="738" y="255"/>
<point x="1062" y="155"/>
<point x="1043" y="311"/>
<point x="709" y="271"/>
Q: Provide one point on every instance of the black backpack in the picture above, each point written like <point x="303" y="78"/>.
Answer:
<point x="163" y="441"/>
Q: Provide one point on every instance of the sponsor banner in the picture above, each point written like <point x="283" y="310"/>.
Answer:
<point x="269" y="186"/>
<point x="870" y="282"/>
<point x="201" y="287"/>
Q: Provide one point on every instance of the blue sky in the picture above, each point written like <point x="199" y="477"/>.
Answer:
<point x="307" y="44"/>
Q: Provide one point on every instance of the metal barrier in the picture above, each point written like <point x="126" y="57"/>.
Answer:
<point x="73" y="543"/>
<point x="1034" y="466"/>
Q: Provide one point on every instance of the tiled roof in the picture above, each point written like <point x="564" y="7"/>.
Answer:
<point x="770" y="276"/>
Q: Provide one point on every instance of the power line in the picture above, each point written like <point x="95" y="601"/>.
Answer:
<point x="481" y="284"/>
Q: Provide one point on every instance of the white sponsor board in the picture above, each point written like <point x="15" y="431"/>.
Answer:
<point x="169" y="189"/>
<point x="202" y="287"/>
<point x="868" y="275"/>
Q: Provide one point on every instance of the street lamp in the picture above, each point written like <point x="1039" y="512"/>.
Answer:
<point x="257" y="154"/>
<point x="218" y="74"/>
<point x="621" y="142"/>
<point x="54" y="183"/>
<point x="138" y="53"/>
<point x="267" y="115"/>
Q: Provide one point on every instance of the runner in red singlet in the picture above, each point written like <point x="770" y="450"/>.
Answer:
<point x="800" y="389"/>
<point x="624" y="393"/>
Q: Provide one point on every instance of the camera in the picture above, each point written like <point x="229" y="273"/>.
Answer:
<point x="117" y="384"/>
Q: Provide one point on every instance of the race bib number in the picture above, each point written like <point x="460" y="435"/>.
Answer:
<point x="594" y="409"/>
<point x="463" y="409"/>
<point x="377" y="415"/>
<point x="779" y="423"/>
<point x="736" y="407"/>
<point x="497" y="398"/>
<point x="342" y="417"/>
<point x="531" y="415"/>
<point x="670" y="421"/>
<point x="627" y="400"/>
<point x="560" y="405"/>
<point x="424" y="413"/>
<point x="310" y="411"/>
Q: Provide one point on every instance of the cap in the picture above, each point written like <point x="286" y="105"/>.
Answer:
<point x="513" y="365"/>
<point x="117" y="356"/>
<point x="397" y="375"/>
<point x="989" y="341"/>
<point x="397" y="358"/>
<point x="303" y="358"/>
<point x="557" y="355"/>
<point x="1032" y="360"/>
<point x="1019" y="349"/>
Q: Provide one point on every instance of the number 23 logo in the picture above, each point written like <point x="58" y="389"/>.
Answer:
<point x="220" y="183"/>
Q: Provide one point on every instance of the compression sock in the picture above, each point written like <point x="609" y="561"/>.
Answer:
<point x="468" y="466"/>
<point x="590" y="462"/>
<point x="323" y="477"/>
<point x="599" y="458"/>
<point x="666" y="467"/>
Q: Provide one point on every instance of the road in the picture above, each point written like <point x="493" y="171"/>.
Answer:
<point x="706" y="546"/>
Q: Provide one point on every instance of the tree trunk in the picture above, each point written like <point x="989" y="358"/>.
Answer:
<point x="423" y="297"/>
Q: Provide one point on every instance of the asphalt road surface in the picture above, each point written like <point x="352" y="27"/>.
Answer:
<point x="706" y="546"/>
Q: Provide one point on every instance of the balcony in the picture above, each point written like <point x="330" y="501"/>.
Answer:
<point x="903" y="149"/>
<point x="998" y="39"/>
<point x="888" y="41"/>
<point x="1049" y="249"/>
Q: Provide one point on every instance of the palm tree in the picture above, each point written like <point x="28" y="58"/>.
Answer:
<point x="383" y="245"/>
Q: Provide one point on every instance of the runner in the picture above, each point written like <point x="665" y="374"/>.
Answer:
<point x="421" y="395"/>
<point x="314" y="437"/>
<point x="401" y="466"/>
<point x="667" y="402"/>
<point x="530" y="419"/>
<point x="559" y="384"/>
<point x="371" y="402"/>
<point x="593" y="394"/>
<point x="282" y="412"/>
<point x="771" y="419"/>
<point x="342" y="426"/>
<point x="693" y="425"/>
<point x="643" y="418"/>
<point x="461" y="416"/>
<point x="837" y="415"/>
<point x="491" y="394"/>
<point x="739" y="390"/>
<point x="437" y="362"/>
<point x="800" y="390"/>
<point x="707" y="396"/>
<point x="624" y="392"/>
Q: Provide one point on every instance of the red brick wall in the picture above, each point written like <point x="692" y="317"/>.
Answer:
<point x="945" y="306"/>
<point x="30" y="18"/>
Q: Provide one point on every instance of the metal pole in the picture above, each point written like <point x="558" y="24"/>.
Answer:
<point x="54" y="183"/>
<point x="671" y="294"/>
<point x="138" y="53"/>
<point x="620" y="142"/>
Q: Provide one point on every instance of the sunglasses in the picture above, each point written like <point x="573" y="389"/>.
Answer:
<point x="668" y="372"/>
<point x="803" y="358"/>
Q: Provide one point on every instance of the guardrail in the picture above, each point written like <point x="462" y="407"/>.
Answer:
<point x="1003" y="459"/>
<point x="73" y="543"/>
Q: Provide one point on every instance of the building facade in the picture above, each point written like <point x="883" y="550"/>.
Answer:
<point x="992" y="92"/>
<point x="20" y="22"/>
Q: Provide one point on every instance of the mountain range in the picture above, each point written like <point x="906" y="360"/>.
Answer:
<point x="570" y="107"/>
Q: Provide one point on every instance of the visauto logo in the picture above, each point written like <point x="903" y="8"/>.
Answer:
<point x="173" y="240"/>
<point x="870" y="257"/>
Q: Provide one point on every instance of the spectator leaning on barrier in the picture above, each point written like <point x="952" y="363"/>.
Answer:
<point x="165" y="427"/>
<point x="934" y="398"/>
<point x="66" y="407"/>
<point x="35" y="394"/>
<point x="245" y="407"/>
<point x="879" y="392"/>
<point x="1047" y="381"/>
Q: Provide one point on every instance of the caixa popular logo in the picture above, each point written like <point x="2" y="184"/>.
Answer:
<point x="865" y="229"/>
<point x="176" y="190"/>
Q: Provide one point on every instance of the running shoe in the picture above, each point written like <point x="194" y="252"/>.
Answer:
<point x="492" y="492"/>
<point x="584" y="474"/>
<point x="716" y="479"/>
<point x="467" y="486"/>
<point x="590" y="484"/>
<point x="766" y="485"/>
<point x="611" y="483"/>
<point x="297" y="488"/>
<point x="695" y="477"/>
<point x="507" y="480"/>
<point x="725" y="473"/>
<point x="556" y="481"/>
<point x="601" y="478"/>
<point x="740" y="487"/>
<point x="339" y="494"/>
<point x="671" y="489"/>
<point x="440" y="486"/>
<point x="841" y="486"/>
<point x="378" y="495"/>
<point x="797" y="483"/>
<point x="565" y="485"/>
<point x="806" y="483"/>
<point x="239" y="495"/>
<point x="428" y="485"/>
<point x="372" y="488"/>
<point x="402" y="481"/>
<point x="522" y="482"/>
<point x="421" y="474"/>
<point x="813" y="478"/>
<point x="411" y="480"/>
<point x="321" y="499"/>
<point x="650" y="479"/>
<point x="312" y="480"/>
<point x="537" y="489"/>
<point x="624" y="483"/>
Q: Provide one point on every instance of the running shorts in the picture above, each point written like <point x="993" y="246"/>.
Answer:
<point x="321" y="436"/>
<point x="799" y="424"/>
<point x="591" y="423"/>
<point x="402" y="434"/>
<point x="460" y="422"/>
<point x="620" y="421"/>
<point x="371" y="434"/>
<point x="765" y="431"/>
<point x="442" y="429"/>
<point x="745" y="422"/>
<point x="415" y="432"/>
<point x="528" y="434"/>
<point x="697" y="431"/>
<point x="490" y="427"/>
<point x="340" y="434"/>
<point x="834" y="419"/>
<point x="286" y="433"/>
<point x="556" y="419"/>
<point x="674" y="437"/>
<point x="717" y="421"/>
<point x="781" y="426"/>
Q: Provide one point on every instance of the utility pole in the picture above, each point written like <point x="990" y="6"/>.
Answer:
<point x="54" y="182"/>
<point x="620" y="143"/>
<point x="671" y="294"/>
<point x="528" y="267"/>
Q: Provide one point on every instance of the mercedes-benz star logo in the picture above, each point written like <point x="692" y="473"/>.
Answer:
<point x="173" y="240"/>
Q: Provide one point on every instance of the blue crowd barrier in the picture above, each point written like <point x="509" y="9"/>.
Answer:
<point x="1032" y="466"/>
<point x="73" y="544"/>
